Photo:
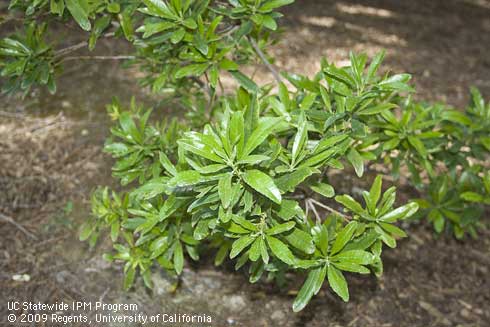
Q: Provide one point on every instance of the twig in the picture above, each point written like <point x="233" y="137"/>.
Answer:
<point x="265" y="61"/>
<point x="12" y="115"/>
<point x="317" y="216"/>
<point x="122" y="57"/>
<point x="324" y="206"/>
<point x="10" y="220"/>
<point x="75" y="47"/>
<point x="71" y="48"/>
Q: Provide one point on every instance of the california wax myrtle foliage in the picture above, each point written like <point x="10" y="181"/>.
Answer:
<point x="247" y="176"/>
<point x="175" y="41"/>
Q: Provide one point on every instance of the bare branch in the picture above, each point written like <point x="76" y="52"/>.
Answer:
<point x="10" y="220"/>
<point x="314" y="202"/>
<point x="265" y="60"/>
<point x="121" y="57"/>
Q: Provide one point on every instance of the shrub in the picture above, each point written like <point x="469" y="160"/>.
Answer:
<point x="247" y="176"/>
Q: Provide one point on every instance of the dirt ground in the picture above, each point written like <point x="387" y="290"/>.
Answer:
<point x="50" y="160"/>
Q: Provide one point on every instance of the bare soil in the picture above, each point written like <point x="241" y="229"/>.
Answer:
<point x="49" y="163"/>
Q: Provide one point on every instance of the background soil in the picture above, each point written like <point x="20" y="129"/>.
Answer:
<point x="50" y="160"/>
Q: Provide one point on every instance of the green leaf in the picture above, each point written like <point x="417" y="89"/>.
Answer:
<point x="224" y="190"/>
<point x="113" y="7"/>
<point x="254" y="253"/>
<point x="359" y="257"/>
<point x="344" y="236"/>
<point x="320" y="237"/>
<point x="281" y="228"/>
<point x="178" y="258"/>
<point x="167" y="164"/>
<point x="263" y="251"/>
<point x="245" y="82"/>
<point x="185" y="178"/>
<point x="310" y="288"/>
<point x="472" y="197"/>
<point x="373" y="67"/>
<point x="240" y="244"/>
<point x="418" y="145"/>
<point x="129" y="278"/>
<point x="178" y="35"/>
<point x="269" y="22"/>
<point x="301" y="240"/>
<point x="263" y="184"/>
<point x="273" y="4"/>
<point x="86" y="231"/>
<point x="393" y="230"/>
<point x="357" y="161"/>
<point x="289" y="209"/>
<point x="300" y="139"/>
<point x="351" y="204"/>
<point x="76" y="8"/>
<point x="288" y="182"/>
<point x="191" y="70"/>
<point x="351" y="267"/>
<point x="227" y="64"/>
<point x="281" y="250"/>
<point x="197" y="144"/>
<point x="244" y="223"/>
<point x="374" y="194"/>
<point x="376" y="109"/>
<point x="400" y="213"/>
<point x="338" y="283"/>
<point x="264" y="129"/>
<point x="324" y="189"/>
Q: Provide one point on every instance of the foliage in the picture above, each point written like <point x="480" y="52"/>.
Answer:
<point x="248" y="176"/>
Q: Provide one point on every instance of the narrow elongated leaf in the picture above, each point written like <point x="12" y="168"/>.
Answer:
<point x="359" y="257"/>
<point x="76" y="9"/>
<point x="263" y="251"/>
<point x="300" y="138"/>
<point x="185" y="178"/>
<point x="178" y="258"/>
<point x="245" y="82"/>
<point x="401" y="212"/>
<point x="281" y="228"/>
<point x="281" y="250"/>
<point x="263" y="184"/>
<point x="348" y="202"/>
<point x="357" y="161"/>
<point x="240" y="244"/>
<point x="288" y="182"/>
<point x="191" y="70"/>
<point x="338" y="283"/>
<point x="310" y="288"/>
<point x="301" y="240"/>
<point x="224" y="190"/>
<point x="254" y="253"/>
<point x="264" y="129"/>
<point x="374" y="194"/>
<point x="343" y="237"/>
<point x="324" y="189"/>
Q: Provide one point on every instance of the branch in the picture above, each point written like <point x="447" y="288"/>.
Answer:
<point x="314" y="202"/>
<point x="264" y="60"/>
<point x="10" y="220"/>
<point x="71" y="48"/>
<point x="75" y="47"/>
<point x="121" y="57"/>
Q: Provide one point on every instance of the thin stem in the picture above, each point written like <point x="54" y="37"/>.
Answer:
<point x="265" y="60"/>
<point x="121" y="57"/>
<point x="317" y="216"/>
<point x="75" y="47"/>
<point x="324" y="206"/>
<point x="10" y="220"/>
<point x="70" y="49"/>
